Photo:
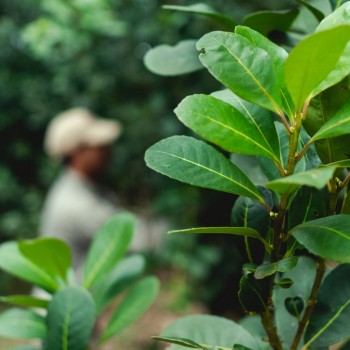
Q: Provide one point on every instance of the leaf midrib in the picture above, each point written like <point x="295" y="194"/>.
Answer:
<point x="329" y="323"/>
<point x="269" y="151"/>
<point x="212" y="171"/>
<point x="326" y="228"/>
<point x="335" y="125"/>
<point x="257" y="82"/>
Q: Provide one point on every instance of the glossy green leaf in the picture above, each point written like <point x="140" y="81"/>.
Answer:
<point x="238" y="231"/>
<point x="120" y="278"/>
<point x="13" y="262"/>
<point x="337" y="3"/>
<point x="308" y="204"/>
<point x="285" y="283"/>
<point x="136" y="302"/>
<point x="252" y="73"/>
<point x="327" y="237"/>
<point x="240" y="347"/>
<point x="109" y="245"/>
<point x="181" y="341"/>
<point x="304" y="70"/>
<point x="346" y="205"/>
<point x="252" y="214"/>
<point x="322" y="109"/>
<point x="223" y="125"/>
<point x="22" y="324"/>
<point x="278" y="56"/>
<point x="205" y="10"/>
<point x="256" y="114"/>
<point x="337" y="126"/>
<point x="269" y="269"/>
<point x="50" y="254"/>
<point x="315" y="11"/>
<point x="173" y="60"/>
<point x="267" y="166"/>
<point x="70" y="319"/>
<point x="252" y="323"/>
<point x="253" y="294"/>
<point x="316" y="178"/>
<point x="194" y="162"/>
<point x="303" y="277"/>
<point x="342" y="69"/>
<point x="267" y="21"/>
<point x="249" y="213"/>
<point x="338" y="17"/>
<point x="209" y="330"/>
<point x="294" y="306"/>
<point x="25" y="300"/>
<point x="329" y="323"/>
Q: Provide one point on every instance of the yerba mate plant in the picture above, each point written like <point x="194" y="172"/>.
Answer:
<point x="290" y="113"/>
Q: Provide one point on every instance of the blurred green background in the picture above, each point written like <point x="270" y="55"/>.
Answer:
<point x="57" y="54"/>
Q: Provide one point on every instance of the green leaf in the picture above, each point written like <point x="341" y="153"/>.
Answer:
<point x="223" y="125"/>
<point x="169" y="60"/>
<point x="304" y="70"/>
<point x="25" y="300"/>
<point x="336" y="3"/>
<point x="13" y="262"/>
<point x="308" y="204"/>
<point x="194" y="162"/>
<point x="268" y="167"/>
<point x="205" y="10"/>
<point x="269" y="269"/>
<point x="238" y="231"/>
<point x="120" y="278"/>
<point x="137" y="301"/>
<point x="239" y="347"/>
<point x="322" y="108"/>
<point x="303" y="276"/>
<point x="315" y="11"/>
<point x="316" y="178"/>
<point x="210" y="331"/>
<point x="278" y="56"/>
<point x="249" y="213"/>
<point x="253" y="294"/>
<point x="70" y="319"/>
<point x="109" y="245"/>
<point x="294" y="306"/>
<point x="256" y="114"/>
<point x="267" y="21"/>
<point x="22" y="324"/>
<point x="181" y="341"/>
<point x="329" y="323"/>
<point x="50" y="254"/>
<point x="252" y="214"/>
<point x="342" y="69"/>
<point x="337" y="126"/>
<point x="338" y="17"/>
<point x="252" y="323"/>
<point x="252" y="73"/>
<point x="327" y="237"/>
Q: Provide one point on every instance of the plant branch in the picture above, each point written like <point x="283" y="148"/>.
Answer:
<point x="321" y="269"/>
<point x="267" y="321"/>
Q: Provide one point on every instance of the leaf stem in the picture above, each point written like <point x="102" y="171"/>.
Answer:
<point x="321" y="269"/>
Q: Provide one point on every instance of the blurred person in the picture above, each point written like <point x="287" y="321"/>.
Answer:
<point x="77" y="205"/>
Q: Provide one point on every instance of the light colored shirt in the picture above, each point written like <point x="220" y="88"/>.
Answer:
<point x="74" y="210"/>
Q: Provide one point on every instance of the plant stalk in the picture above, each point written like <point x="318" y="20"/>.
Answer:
<point x="321" y="269"/>
<point x="267" y="321"/>
<point x="279" y="235"/>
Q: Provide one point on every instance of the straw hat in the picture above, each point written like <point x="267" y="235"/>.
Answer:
<point x="78" y="127"/>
